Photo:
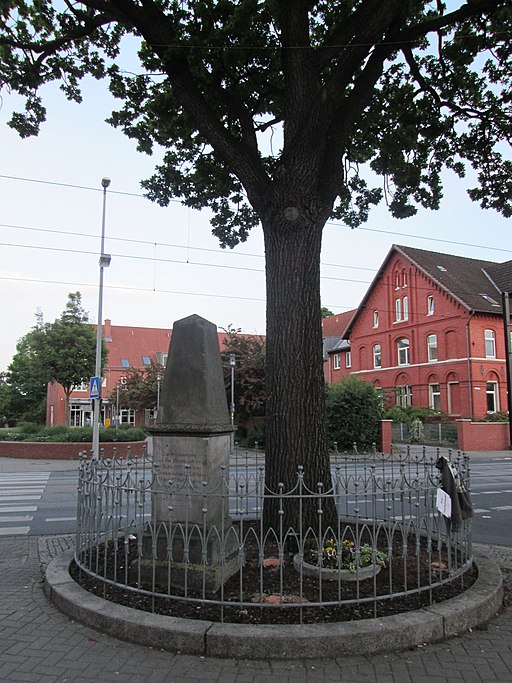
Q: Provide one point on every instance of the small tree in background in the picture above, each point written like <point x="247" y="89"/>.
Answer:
<point x="66" y="348"/>
<point x="354" y="410"/>
<point x="140" y="387"/>
<point x="23" y="394"/>
<point x="249" y="375"/>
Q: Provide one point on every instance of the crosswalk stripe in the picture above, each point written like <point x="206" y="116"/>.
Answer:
<point x="18" y="494"/>
<point x="13" y="530"/>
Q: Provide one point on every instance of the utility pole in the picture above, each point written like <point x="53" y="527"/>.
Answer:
<point x="508" y="360"/>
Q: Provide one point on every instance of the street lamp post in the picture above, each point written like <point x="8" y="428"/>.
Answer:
<point x="104" y="263"/>
<point x="232" y="361"/>
<point x="158" y="378"/>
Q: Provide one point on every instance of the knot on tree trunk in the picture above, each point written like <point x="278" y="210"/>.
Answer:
<point x="292" y="214"/>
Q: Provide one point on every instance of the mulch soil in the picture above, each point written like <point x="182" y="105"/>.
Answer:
<point x="271" y="592"/>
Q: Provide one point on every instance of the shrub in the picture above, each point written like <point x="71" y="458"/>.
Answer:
<point x="255" y="437"/>
<point x="496" y="417"/>
<point x="354" y="412"/>
<point x="408" y="414"/>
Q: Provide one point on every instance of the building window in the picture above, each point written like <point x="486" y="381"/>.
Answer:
<point x="403" y="352"/>
<point x="434" y="394"/>
<point x="348" y="360"/>
<point x="146" y="360"/>
<point x="398" y="310"/>
<point x="430" y="305"/>
<point x="404" y="395"/>
<point x="336" y="361"/>
<point x="127" y="416"/>
<point x="125" y="363"/>
<point x="405" y="307"/>
<point x="397" y="280"/>
<point x="375" y="318"/>
<point x="432" y="347"/>
<point x="376" y="356"/>
<point x="83" y="386"/>
<point x="404" y="278"/>
<point x="493" y="404"/>
<point x="490" y="344"/>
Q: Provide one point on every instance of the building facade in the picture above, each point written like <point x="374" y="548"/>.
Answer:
<point x="128" y="348"/>
<point x="430" y="332"/>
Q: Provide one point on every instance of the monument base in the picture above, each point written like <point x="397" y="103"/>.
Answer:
<point x="189" y="561"/>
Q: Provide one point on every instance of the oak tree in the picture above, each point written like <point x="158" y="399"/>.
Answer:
<point x="286" y="113"/>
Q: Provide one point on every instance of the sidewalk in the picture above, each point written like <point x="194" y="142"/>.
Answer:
<point x="39" y="644"/>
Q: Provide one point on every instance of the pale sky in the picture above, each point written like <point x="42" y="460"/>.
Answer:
<point x="165" y="263"/>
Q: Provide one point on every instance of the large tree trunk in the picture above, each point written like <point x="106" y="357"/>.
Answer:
<point x="295" y="421"/>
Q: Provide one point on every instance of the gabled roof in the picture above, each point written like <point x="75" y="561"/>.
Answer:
<point x="335" y="325"/>
<point x="130" y="343"/>
<point x="333" y="328"/>
<point x="466" y="279"/>
<point x="475" y="283"/>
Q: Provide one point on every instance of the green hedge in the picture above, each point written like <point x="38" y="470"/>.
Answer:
<point x="60" y="433"/>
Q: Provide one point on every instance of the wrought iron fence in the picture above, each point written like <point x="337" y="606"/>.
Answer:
<point x="193" y="550"/>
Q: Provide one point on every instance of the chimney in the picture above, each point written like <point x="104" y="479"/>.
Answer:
<point x="107" y="331"/>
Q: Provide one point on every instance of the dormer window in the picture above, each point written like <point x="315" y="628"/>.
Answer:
<point x="489" y="300"/>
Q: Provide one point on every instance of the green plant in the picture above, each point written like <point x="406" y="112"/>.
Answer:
<point x="354" y="411"/>
<point x="343" y="555"/>
<point x="496" y="417"/>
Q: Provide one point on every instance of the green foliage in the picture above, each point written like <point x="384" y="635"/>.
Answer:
<point x="408" y="414"/>
<point x="140" y="387"/>
<point x="60" y="433"/>
<point x="249" y="374"/>
<point x="23" y="394"/>
<point x="496" y="417"/>
<point x="256" y="438"/>
<point x="325" y="312"/>
<point x="354" y="411"/>
<point x="63" y="351"/>
<point x="422" y="88"/>
<point x="67" y="347"/>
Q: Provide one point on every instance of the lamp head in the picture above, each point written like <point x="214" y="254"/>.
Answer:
<point x="105" y="182"/>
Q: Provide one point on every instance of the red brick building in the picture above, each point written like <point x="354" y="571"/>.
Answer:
<point x="429" y="332"/>
<point x="128" y="347"/>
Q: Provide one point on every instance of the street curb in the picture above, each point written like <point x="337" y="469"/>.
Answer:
<point x="473" y="608"/>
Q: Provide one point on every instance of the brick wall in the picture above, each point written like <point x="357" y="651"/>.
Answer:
<point x="65" y="451"/>
<point x="483" y="436"/>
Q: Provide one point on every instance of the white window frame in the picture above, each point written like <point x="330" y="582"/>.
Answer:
<point x="377" y="356"/>
<point x="490" y="344"/>
<point x="398" y="310"/>
<point x="492" y="389"/>
<point x="127" y="416"/>
<point x="397" y="280"/>
<point x="432" y="348"/>
<point x="403" y="395"/>
<point x="336" y="361"/>
<point x="375" y="319"/>
<point x="434" y="396"/>
<point x="404" y="278"/>
<point x="405" y="308"/>
<point x="430" y="305"/>
<point x="404" y="351"/>
<point x="348" y="359"/>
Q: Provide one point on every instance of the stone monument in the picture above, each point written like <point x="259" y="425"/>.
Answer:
<point x="190" y="539"/>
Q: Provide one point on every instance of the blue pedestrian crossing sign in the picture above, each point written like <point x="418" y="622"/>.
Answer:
<point x="94" y="387"/>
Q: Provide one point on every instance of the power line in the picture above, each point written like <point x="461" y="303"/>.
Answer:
<point x="332" y="223"/>
<point x="230" y="252"/>
<point x="130" y="288"/>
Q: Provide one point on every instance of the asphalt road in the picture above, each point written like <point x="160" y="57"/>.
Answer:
<point x="39" y="497"/>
